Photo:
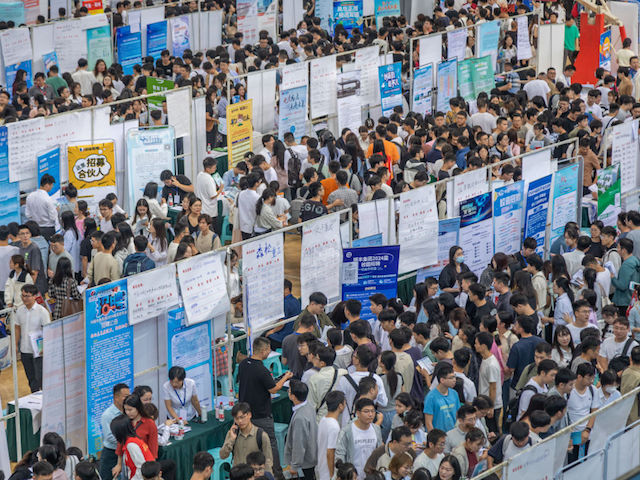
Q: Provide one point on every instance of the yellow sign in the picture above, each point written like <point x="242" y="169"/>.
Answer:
<point x="92" y="165"/>
<point x="239" y="130"/>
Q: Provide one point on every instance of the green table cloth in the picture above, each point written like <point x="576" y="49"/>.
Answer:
<point x="405" y="288"/>
<point x="28" y="439"/>
<point x="203" y="437"/>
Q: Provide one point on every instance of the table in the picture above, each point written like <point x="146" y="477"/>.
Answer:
<point x="203" y="437"/>
<point x="28" y="439"/>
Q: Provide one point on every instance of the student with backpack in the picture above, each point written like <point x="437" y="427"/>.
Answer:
<point x="244" y="437"/>
<point x="138" y="262"/>
<point x="508" y="446"/>
<point x="583" y="400"/>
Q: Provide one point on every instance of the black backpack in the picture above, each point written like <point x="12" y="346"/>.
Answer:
<point x="294" y="167"/>
<point x="511" y="414"/>
<point x="459" y="388"/>
<point x="623" y="357"/>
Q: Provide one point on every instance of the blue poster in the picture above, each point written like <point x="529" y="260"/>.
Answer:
<point x="447" y="84"/>
<point x="10" y="73"/>
<point x="348" y="13"/>
<point x="189" y="347"/>
<point x="367" y="271"/>
<point x="293" y="112"/>
<point x="535" y="220"/>
<point x="476" y="232"/>
<point x="390" y="82"/>
<point x="156" y="38"/>
<point x="422" y="89"/>
<point x="605" y="50"/>
<point x="488" y="38"/>
<point x="324" y="11"/>
<point x="180" y="39"/>
<point x="508" y="203"/>
<point x="49" y="60"/>
<point x="109" y="352"/>
<point x="448" y="236"/>
<point x="565" y="200"/>
<point x="12" y="11"/>
<point x="49" y="162"/>
<point x="386" y="8"/>
<point x="9" y="192"/>
<point x="129" y="47"/>
<point x="370" y="241"/>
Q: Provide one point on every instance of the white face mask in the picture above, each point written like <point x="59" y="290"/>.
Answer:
<point x="610" y="389"/>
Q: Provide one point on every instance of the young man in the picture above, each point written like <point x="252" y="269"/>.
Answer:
<point x="246" y="202"/>
<point x="404" y="363"/>
<point x="619" y="344"/>
<point x="42" y="470"/>
<point x="399" y="443"/>
<point x="41" y="208"/>
<point x="547" y="370"/>
<point x="317" y="302"/>
<point x="501" y="282"/>
<point x="541" y="352"/>
<point x="521" y="353"/>
<point x="321" y="383"/>
<point x="151" y="471"/>
<point x="629" y="271"/>
<point x="432" y="455"/>
<point x="508" y="446"/>
<point x="467" y="452"/>
<point x="108" y="457"/>
<point x="358" y="439"/>
<point x="30" y="318"/>
<point x="442" y="403"/>
<point x="32" y="257"/>
<point x="104" y="265"/>
<point x="244" y="437"/>
<point x="6" y="252"/>
<point x="630" y="380"/>
<point x="106" y="212"/>
<point x="582" y="311"/>
<point x="477" y="295"/>
<point x="589" y="354"/>
<point x="56" y="245"/>
<point x="563" y="383"/>
<point x="328" y="431"/>
<point x="301" y="449"/>
<point x="206" y="189"/>
<point x="257" y="461"/>
<point x="489" y="383"/>
<point x="466" y="420"/>
<point x="583" y="400"/>
<point x="202" y="466"/>
<point x="138" y="262"/>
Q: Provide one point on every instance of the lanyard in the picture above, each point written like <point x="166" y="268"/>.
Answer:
<point x="182" y="402"/>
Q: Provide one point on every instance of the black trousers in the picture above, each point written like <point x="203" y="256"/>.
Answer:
<point x="309" y="473"/>
<point x="246" y="236"/>
<point x="47" y="232"/>
<point x="267" y="425"/>
<point x="33" y="371"/>
<point x="108" y="460"/>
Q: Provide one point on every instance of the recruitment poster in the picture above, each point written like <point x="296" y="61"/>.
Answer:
<point x="422" y="90"/>
<point x="154" y="85"/>
<point x="447" y="84"/>
<point x="465" y="80"/>
<point x="625" y="152"/>
<point x="476" y="232"/>
<point x="156" y="38"/>
<point x="293" y="112"/>
<point x="348" y="13"/>
<point x="448" y="236"/>
<point x="152" y="293"/>
<point x="508" y="202"/>
<point x="565" y="199"/>
<point x="109" y="348"/>
<point x="189" y="347"/>
<point x="129" y="46"/>
<point x="180" y="36"/>
<point x="369" y="270"/>
<point x="49" y="163"/>
<point x="92" y="169"/>
<point x="149" y="152"/>
<point x="247" y="11"/>
<point x="239" y="130"/>
<point x="99" y="45"/>
<point x="386" y="8"/>
<point x="418" y="229"/>
<point x="488" y="38"/>
<point x="390" y="81"/>
<point x="609" y="196"/>
<point x="535" y="221"/>
<point x="605" y="50"/>
<point x="9" y="191"/>
<point x="482" y="75"/>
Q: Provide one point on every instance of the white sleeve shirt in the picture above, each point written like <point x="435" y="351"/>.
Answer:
<point x="41" y="208"/>
<point x="31" y="322"/>
<point x="206" y="191"/>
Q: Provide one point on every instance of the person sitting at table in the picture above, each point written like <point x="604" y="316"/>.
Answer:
<point x="244" y="437"/>
<point x="143" y="424"/>
<point x="135" y="451"/>
<point x="180" y="396"/>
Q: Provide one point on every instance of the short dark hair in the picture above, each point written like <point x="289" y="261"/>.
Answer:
<point x="299" y="389"/>
<point x="363" y="402"/>
<point x="564" y="375"/>
<point x="443" y="370"/>
<point x="42" y="468"/>
<point x="519" y="431"/>
<point x="177" y="372"/>
<point x="240" y="407"/>
<point x="318" y="297"/>
<point x="140" y="243"/>
<point x="201" y="461"/>
<point x="118" y="387"/>
<point x="334" y="399"/>
<point x="150" y="469"/>
<point x="47" y="180"/>
<point x="256" y="458"/>
<point x="399" y="432"/>
<point x="585" y="370"/>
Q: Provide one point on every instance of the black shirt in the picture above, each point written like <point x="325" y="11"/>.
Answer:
<point x="254" y="381"/>
<point x="312" y="209"/>
<point x="85" y="248"/>
<point x="487" y="309"/>
<point x="449" y="276"/>
<point x="175" y="190"/>
<point x="164" y="70"/>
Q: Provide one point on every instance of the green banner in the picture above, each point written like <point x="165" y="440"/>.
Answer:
<point x="608" y="182"/>
<point x="157" y="85"/>
<point x="482" y="75"/>
<point x="465" y="80"/>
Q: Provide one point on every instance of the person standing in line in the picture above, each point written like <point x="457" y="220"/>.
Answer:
<point x="301" y="448"/>
<point x="108" y="457"/>
<point x="207" y="190"/>
<point x="328" y="431"/>
<point x="6" y="252"/>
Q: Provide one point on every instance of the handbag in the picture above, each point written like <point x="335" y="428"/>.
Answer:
<point x="69" y="305"/>
<point x="604" y="298"/>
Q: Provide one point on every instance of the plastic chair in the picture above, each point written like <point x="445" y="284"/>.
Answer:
<point x="274" y="364"/>
<point x="225" y="233"/>
<point x="281" y="437"/>
<point x="225" y="389"/>
<point x="220" y="471"/>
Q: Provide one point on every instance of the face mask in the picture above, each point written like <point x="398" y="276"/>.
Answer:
<point x="610" y="389"/>
<point x="460" y="259"/>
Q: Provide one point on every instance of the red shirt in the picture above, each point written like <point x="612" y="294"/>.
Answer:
<point x="146" y="431"/>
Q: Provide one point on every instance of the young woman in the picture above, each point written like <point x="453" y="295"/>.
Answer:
<point x="124" y="245"/>
<point x="141" y="218"/>
<point x="609" y="387"/>
<point x="89" y="226"/>
<point x="266" y="220"/>
<point x="449" y="277"/>
<point x="158" y="243"/>
<point x="150" y="194"/>
<point x="180" y="396"/>
<point x="183" y="251"/>
<point x="69" y="199"/>
<point x="72" y="239"/>
<point x="185" y="203"/>
<point x="85" y="470"/>
<point x="18" y="276"/>
<point x="563" y="348"/>
<point x="76" y="93"/>
<point x="63" y="285"/>
<point x="67" y="462"/>
<point x="206" y="239"/>
<point x="346" y="471"/>
<point x="134" y="451"/>
<point x="392" y="382"/>
<point x="142" y="423"/>
<point x="449" y="469"/>
<point x="195" y="209"/>
<point x="402" y="404"/>
<point x="499" y="263"/>
<point x="399" y="467"/>
<point x="522" y="284"/>
<point x="81" y="212"/>
<point x="49" y="453"/>
<point x="234" y="280"/>
<point x="100" y="70"/>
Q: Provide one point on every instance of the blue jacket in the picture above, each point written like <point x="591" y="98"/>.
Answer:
<point x="136" y="263"/>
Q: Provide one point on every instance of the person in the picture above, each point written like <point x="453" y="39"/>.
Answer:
<point x="244" y="437"/>
<point x="241" y="471"/>
<point x="246" y="202"/>
<point x="300" y="449"/>
<point x="67" y="462"/>
<point x="176" y="187"/>
<point x="522" y="352"/>
<point x="156" y="209"/>
<point x="180" y="396"/>
<point x="290" y="350"/>
<point x="33" y="259"/>
<point x="511" y="444"/>
<point x="322" y="382"/>
<point x="358" y="439"/>
<point x="292" y="309"/>
<point x="317" y="302"/>
<point x="30" y="318"/>
<point x="266" y="219"/>
<point x="202" y="466"/>
<point x="449" y="469"/>
<point x="108" y="457"/>
<point x="42" y="470"/>
<point x="563" y="348"/>
<point x="6" y="252"/>
<point x="72" y="239"/>
<point x="138" y="262"/>
<point x="466" y="420"/>
<point x="583" y="400"/>
<point x="629" y="272"/>
<point x="151" y="471"/>
<point x="62" y="286"/>
<point x="467" y="452"/>
<point x="85" y="470"/>
<point x="449" y="279"/>
<point x="256" y="460"/>
<point x="143" y="425"/>
<point x="255" y="386"/>
<point x="56" y="245"/>
<point x="399" y="467"/>
<point x="400" y="441"/>
<point x="545" y="376"/>
<point x="41" y="207"/>
<point x="630" y="380"/>
<point x="49" y="453"/>
<point x="442" y="403"/>
<point x="620" y="344"/>
<point x="432" y="454"/>
<point x="18" y="276"/>
<point x="135" y="451"/>
<point x="328" y="431"/>
<point x="206" y="238"/>
<point x="206" y="188"/>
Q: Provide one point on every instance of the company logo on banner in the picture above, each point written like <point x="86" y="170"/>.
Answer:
<point x="390" y="81"/>
<point x="49" y="162"/>
<point x="422" y="87"/>
<point x="605" y="50"/>
<point x="93" y="6"/>
<point x="129" y="48"/>
<point x="239" y="130"/>
<point x="156" y="39"/>
<point x="348" y="13"/>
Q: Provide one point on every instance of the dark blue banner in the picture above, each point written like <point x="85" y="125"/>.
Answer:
<point x="9" y="192"/>
<point x="156" y="38"/>
<point x="11" y="70"/>
<point x="369" y="270"/>
<point x="535" y="221"/>
<point x="129" y="48"/>
<point x="49" y="162"/>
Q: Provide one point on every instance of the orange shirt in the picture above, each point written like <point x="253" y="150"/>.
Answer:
<point x="390" y="149"/>
<point x="329" y="185"/>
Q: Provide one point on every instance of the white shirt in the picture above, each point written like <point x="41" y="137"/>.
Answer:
<point x="246" y="202"/>
<point x="106" y="225"/>
<point x="328" y="430"/>
<point x="364" y="442"/>
<point x="490" y="373"/>
<point x="468" y="387"/>
<point x="350" y="393"/>
<point x="484" y="120"/>
<point x="610" y="348"/>
<point x="431" y="464"/>
<point x="6" y="252"/>
<point x="573" y="260"/>
<point x="537" y="88"/>
<point x="31" y="322"/>
<point x="270" y="175"/>
<point x="525" y="396"/>
<point x="41" y="208"/>
<point x="181" y="399"/>
<point x="207" y="192"/>
<point x="579" y="406"/>
<point x="86" y="80"/>
<point x="575" y="332"/>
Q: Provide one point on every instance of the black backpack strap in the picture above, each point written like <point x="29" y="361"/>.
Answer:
<point x="627" y="345"/>
<point x="259" y="438"/>
<point x="333" y="382"/>
<point x="351" y="381"/>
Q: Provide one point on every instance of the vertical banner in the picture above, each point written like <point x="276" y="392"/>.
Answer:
<point x="488" y="38"/>
<point x="348" y="99"/>
<point x="247" y="11"/>
<point x="11" y="70"/>
<point x="324" y="11"/>
<point x="293" y="112"/>
<point x="99" y="45"/>
<point x="189" y="347"/>
<point x="263" y="275"/>
<point x="418" y="229"/>
<point x="9" y="191"/>
<point x="535" y="221"/>
<point x="390" y="81"/>
<point x="609" y="195"/>
<point x="447" y="84"/>
<point x="565" y="199"/>
<point x="323" y="85"/>
<point x="456" y="44"/>
<point x="386" y="8"/>
<point x="268" y="16"/>
<point x="476" y="232"/>
<point x="149" y="152"/>
<point x="625" y="152"/>
<point x="369" y="270"/>
<point x="465" y="80"/>
<point x="152" y="293"/>
<point x="180" y="37"/>
<point x="16" y="46"/>
<point x="348" y="13"/>
<point x="508" y="202"/>
<point x="320" y="256"/>
<point x="108" y="349"/>
<point x="367" y="61"/>
<point x="49" y="162"/>
<point x="239" y="130"/>
<point x="430" y="52"/>
<point x="523" y="47"/>
<point x="448" y="236"/>
<point x="605" y="50"/>
<point x="156" y="38"/>
<point x="422" y="90"/>
<point x="92" y="169"/>
<point x="129" y="46"/>
<point x="482" y="75"/>
<point x="50" y="59"/>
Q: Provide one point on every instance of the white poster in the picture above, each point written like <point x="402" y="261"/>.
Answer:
<point x="418" y="229"/>
<point x="430" y="51"/>
<point x="623" y="454"/>
<point x="25" y="140"/>
<point x="148" y="16"/>
<point x="588" y="468"/>
<point x="70" y="44"/>
<point x="625" y="152"/>
<point x="261" y="88"/>
<point x="268" y="16"/>
<point x="456" y="44"/>
<point x="294" y="76"/>
<point x="214" y="29"/>
<point x="523" y="47"/>
<point x="609" y="422"/>
<point x="477" y="242"/>
<point x="373" y="218"/>
<point x="292" y="14"/>
<point x="42" y="41"/>
<point x="469" y="185"/>
<point x="178" y="111"/>
<point x="63" y="380"/>
<point x="321" y="259"/>
<point x="16" y="46"/>
<point x="349" y="101"/>
<point x="323" y="86"/>
<point x="263" y="275"/>
<point x="152" y="293"/>
<point x="533" y="463"/>
<point x="367" y="60"/>
<point x="536" y="165"/>
<point x="65" y="128"/>
<point x="203" y="287"/>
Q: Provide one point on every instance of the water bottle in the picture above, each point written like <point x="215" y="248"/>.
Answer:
<point x="203" y="415"/>
<point x="180" y="435"/>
